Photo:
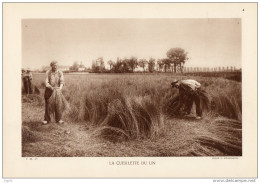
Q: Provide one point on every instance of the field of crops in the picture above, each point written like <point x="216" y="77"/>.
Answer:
<point x="132" y="115"/>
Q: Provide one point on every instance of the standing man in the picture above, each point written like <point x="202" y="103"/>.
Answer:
<point x="54" y="80"/>
<point x="26" y="81"/>
<point x="188" y="93"/>
<point x="29" y="73"/>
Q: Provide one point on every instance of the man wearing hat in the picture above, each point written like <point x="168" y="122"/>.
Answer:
<point x="27" y="80"/>
<point x="188" y="93"/>
<point x="30" y="77"/>
<point x="24" y="81"/>
<point x="54" y="79"/>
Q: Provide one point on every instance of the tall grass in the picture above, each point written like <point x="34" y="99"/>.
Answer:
<point x="136" y="106"/>
<point x="131" y="118"/>
<point x="124" y="110"/>
<point x="225" y="97"/>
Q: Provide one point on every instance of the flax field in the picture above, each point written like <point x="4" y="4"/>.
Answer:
<point x="133" y="115"/>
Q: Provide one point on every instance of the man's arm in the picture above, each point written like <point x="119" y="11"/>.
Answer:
<point x="47" y="83"/>
<point x="30" y="76"/>
<point x="61" y="80"/>
<point x="61" y="85"/>
<point x="197" y="85"/>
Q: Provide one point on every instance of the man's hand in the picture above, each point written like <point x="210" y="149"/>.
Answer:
<point x="61" y="86"/>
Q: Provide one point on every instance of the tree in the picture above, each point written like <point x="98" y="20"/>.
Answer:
<point x="98" y="65"/>
<point x="125" y="65"/>
<point x="160" y="64"/>
<point x="177" y="56"/>
<point x="142" y="63"/>
<point x="132" y="63"/>
<point x="110" y="63"/>
<point x="94" y="67"/>
<point x="81" y="65"/>
<point x="101" y="64"/>
<point x="151" y="64"/>
<point x="75" y="66"/>
<point x="118" y="65"/>
<point x="166" y="62"/>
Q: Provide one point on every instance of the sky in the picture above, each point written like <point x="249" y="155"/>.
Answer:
<point x="209" y="42"/>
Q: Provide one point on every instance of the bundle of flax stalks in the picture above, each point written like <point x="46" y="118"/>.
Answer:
<point x="57" y="103"/>
<point x="172" y="106"/>
<point x="204" y="100"/>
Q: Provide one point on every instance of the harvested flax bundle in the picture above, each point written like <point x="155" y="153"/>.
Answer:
<point x="204" y="99"/>
<point x="57" y="104"/>
<point x="173" y="107"/>
<point x="189" y="92"/>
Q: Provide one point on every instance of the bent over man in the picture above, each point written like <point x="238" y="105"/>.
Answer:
<point x="54" y="80"/>
<point x="188" y="93"/>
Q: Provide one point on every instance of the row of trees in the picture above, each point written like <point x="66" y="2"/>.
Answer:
<point x="130" y="64"/>
<point x="175" y="60"/>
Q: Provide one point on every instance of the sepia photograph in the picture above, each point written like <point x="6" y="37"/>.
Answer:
<point x="130" y="90"/>
<point x="131" y="87"/>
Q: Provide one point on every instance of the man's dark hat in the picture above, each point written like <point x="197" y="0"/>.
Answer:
<point x="174" y="83"/>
